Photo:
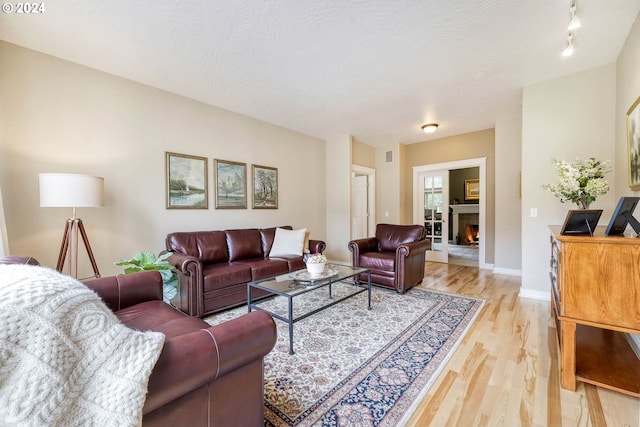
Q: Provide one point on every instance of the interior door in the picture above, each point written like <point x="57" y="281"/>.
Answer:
<point x="435" y="205"/>
<point x="359" y="208"/>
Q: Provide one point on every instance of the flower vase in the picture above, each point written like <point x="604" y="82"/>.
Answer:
<point x="315" y="269"/>
<point x="583" y="203"/>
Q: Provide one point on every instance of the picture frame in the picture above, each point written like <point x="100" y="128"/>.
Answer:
<point x="231" y="184"/>
<point x="581" y="221"/>
<point x="633" y="145"/>
<point x="186" y="181"/>
<point x="472" y="189"/>
<point x="265" y="187"/>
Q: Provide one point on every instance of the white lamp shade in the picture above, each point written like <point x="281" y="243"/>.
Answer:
<point x="71" y="190"/>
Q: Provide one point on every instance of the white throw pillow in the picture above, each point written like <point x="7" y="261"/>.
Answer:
<point x="287" y="242"/>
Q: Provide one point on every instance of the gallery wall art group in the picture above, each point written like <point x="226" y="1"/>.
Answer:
<point x="187" y="183"/>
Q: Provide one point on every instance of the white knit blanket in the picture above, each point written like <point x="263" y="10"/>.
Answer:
<point x="65" y="359"/>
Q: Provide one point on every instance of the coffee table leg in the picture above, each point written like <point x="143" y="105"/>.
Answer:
<point x="290" y="325"/>
<point x="369" y="288"/>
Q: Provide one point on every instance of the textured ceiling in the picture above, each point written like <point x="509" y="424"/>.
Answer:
<point x="373" y="69"/>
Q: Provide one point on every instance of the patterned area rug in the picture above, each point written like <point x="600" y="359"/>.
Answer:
<point x="358" y="367"/>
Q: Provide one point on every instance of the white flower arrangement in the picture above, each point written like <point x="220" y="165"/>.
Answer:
<point x="317" y="259"/>
<point x="580" y="182"/>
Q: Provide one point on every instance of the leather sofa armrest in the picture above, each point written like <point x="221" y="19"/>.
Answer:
<point x="18" y="259"/>
<point x="125" y="290"/>
<point x="317" y="246"/>
<point x="410" y="258"/>
<point x="185" y="263"/>
<point x="409" y="249"/>
<point x="360" y="246"/>
<point x="189" y="361"/>
<point x="189" y="298"/>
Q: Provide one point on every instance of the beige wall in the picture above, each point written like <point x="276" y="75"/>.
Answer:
<point x="363" y="154"/>
<point x="57" y="116"/>
<point x="338" y="196"/>
<point x="627" y="91"/>
<point x="457" y="178"/>
<point x="508" y="207"/>
<point x="388" y="201"/>
<point x="565" y="118"/>
<point x="461" y="147"/>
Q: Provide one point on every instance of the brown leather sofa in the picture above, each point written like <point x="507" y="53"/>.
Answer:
<point x="395" y="256"/>
<point x="205" y="375"/>
<point x="214" y="267"/>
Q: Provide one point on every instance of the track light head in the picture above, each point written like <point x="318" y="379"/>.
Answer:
<point x="568" y="51"/>
<point x="574" y="23"/>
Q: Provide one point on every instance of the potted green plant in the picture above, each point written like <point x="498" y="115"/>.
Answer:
<point x="144" y="261"/>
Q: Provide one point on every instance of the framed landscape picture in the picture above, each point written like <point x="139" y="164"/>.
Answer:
<point x="633" y="145"/>
<point x="186" y="181"/>
<point x="265" y="187"/>
<point x="472" y="189"/>
<point x="231" y="184"/>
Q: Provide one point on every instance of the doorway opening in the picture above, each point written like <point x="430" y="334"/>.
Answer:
<point x="462" y="204"/>
<point x="363" y="202"/>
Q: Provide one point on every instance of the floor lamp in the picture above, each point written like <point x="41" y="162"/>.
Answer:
<point x="74" y="191"/>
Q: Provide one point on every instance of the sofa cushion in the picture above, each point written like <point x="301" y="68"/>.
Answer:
<point x="244" y="244"/>
<point x="160" y="317"/>
<point x="212" y="246"/>
<point x="385" y="261"/>
<point x="305" y="245"/>
<point x="390" y="236"/>
<point x="267" y="235"/>
<point x="288" y="242"/>
<point x="216" y="276"/>
<point x="262" y="268"/>
<point x="185" y="243"/>
<point x="295" y="262"/>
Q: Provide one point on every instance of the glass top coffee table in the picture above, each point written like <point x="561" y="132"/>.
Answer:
<point x="300" y="282"/>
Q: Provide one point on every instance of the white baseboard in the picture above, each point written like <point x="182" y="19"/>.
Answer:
<point x="531" y="294"/>
<point x="486" y="266"/>
<point x="508" y="271"/>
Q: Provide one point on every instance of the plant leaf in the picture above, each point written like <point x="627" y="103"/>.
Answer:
<point x="164" y="256"/>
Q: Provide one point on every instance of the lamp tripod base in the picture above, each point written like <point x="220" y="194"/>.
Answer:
<point x="70" y="245"/>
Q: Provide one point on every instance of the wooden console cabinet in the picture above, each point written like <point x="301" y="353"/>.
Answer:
<point x="595" y="299"/>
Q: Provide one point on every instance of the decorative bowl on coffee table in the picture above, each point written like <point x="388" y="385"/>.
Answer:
<point x="315" y="269"/>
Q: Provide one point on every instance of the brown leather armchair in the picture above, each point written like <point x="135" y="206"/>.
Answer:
<point x="206" y="375"/>
<point x="395" y="256"/>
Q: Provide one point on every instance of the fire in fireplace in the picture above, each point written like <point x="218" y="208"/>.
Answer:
<point x="472" y="234"/>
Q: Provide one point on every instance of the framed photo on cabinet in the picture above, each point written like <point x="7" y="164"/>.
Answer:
<point x="186" y="181"/>
<point x="231" y="184"/>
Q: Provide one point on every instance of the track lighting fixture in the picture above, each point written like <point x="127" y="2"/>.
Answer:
<point x="574" y="22"/>
<point x="568" y="51"/>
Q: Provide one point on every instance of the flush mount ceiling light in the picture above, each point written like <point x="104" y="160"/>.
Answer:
<point x="430" y="128"/>
<point x="574" y="22"/>
<point x="568" y="51"/>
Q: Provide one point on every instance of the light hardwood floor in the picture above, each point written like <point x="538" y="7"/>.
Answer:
<point x="505" y="372"/>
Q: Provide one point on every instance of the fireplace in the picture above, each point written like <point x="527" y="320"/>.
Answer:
<point x="462" y="214"/>
<point x="472" y="235"/>
<point x="465" y="225"/>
